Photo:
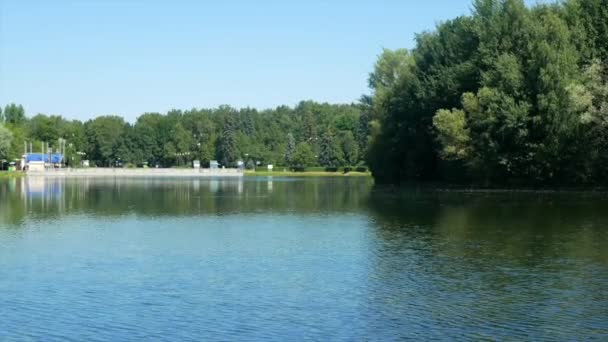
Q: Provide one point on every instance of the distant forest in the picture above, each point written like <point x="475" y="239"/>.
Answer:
<point x="310" y="134"/>
<point x="509" y="95"/>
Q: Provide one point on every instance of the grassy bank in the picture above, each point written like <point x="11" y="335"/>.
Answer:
<point x="6" y="174"/>
<point x="306" y="174"/>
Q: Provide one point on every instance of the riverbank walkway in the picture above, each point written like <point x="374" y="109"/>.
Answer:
<point x="150" y="172"/>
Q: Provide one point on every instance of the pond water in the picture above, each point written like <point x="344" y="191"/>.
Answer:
<point x="329" y="259"/>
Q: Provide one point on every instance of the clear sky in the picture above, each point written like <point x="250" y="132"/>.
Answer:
<point x="86" y="58"/>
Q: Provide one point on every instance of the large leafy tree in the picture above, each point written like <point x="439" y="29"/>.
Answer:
<point x="181" y="141"/>
<point x="203" y="133"/>
<point x="364" y="131"/>
<point x="148" y="137"/>
<point x="505" y="95"/>
<point x="589" y="153"/>
<point x="588" y="21"/>
<point x="125" y="150"/>
<point x="330" y="154"/>
<point x="226" y="149"/>
<point x="291" y="149"/>
<point x="5" y="142"/>
<point x="350" y="148"/>
<point x="14" y="114"/>
<point x="104" y="135"/>
<point x="303" y="156"/>
<point x="45" y="128"/>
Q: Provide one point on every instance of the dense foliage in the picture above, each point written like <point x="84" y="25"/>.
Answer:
<point x="287" y="137"/>
<point x="508" y="95"/>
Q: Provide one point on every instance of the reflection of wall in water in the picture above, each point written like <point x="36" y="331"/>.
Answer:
<point x="214" y="185"/>
<point x="35" y="187"/>
<point x="43" y="191"/>
<point x="156" y="196"/>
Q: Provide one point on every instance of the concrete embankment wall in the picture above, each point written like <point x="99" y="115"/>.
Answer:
<point x="116" y="172"/>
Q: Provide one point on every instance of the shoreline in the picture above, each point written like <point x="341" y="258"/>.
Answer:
<point x="11" y="174"/>
<point x="174" y="173"/>
<point x="305" y="174"/>
<point x="143" y="173"/>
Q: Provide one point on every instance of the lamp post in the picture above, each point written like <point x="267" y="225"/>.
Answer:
<point x="61" y="150"/>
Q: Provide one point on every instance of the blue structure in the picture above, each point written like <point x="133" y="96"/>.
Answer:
<point x="53" y="158"/>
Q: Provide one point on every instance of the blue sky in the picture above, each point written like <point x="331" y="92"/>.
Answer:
<point x="85" y="58"/>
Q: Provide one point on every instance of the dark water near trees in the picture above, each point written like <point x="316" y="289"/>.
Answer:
<point x="318" y="259"/>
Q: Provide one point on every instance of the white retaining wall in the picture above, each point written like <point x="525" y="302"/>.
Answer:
<point x="119" y="172"/>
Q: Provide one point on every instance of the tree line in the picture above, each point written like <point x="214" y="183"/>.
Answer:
<point x="309" y="134"/>
<point x="509" y="94"/>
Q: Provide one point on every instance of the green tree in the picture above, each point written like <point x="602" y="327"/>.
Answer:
<point x="148" y="137"/>
<point x="19" y="135"/>
<point x="5" y="142"/>
<point x="303" y="156"/>
<point x="204" y="135"/>
<point x="14" y="114"/>
<point x="246" y="120"/>
<point x="330" y="154"/>
<point x="74" y="133"/>
<point x="350" y="148"/>
<point x="226" y="149"/>
<point x="506" y="92"/>
<point x="45" y="128"/>
<point x="181" y="142"/>
<point x="291" y="149"/>
<point x="104" y="135"/>
<point x="391" y="66"/>
<point x="588" y="21"/>
<point x="589" y="99"/>
<point x="364" y="129"/>
<point x="452" y="133"/>
<point x="126" y="152"/>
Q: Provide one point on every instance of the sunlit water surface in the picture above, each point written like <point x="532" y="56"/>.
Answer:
<point x="331" y="259"/>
